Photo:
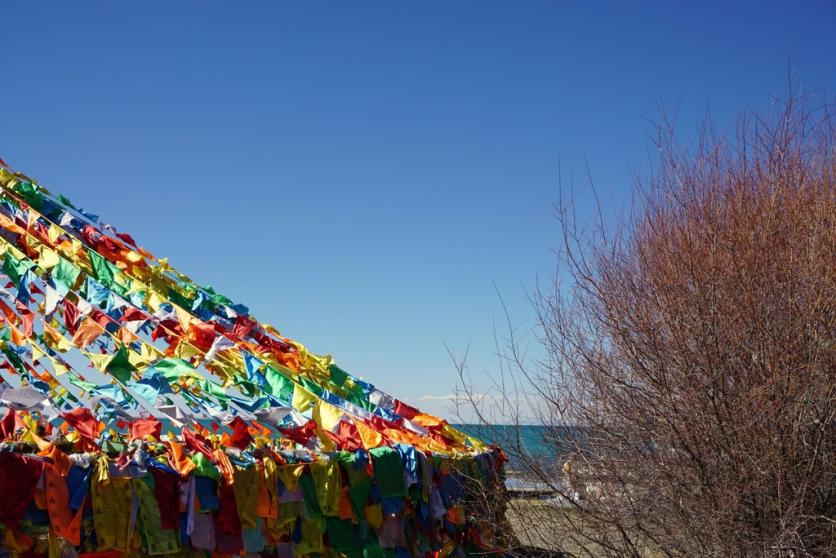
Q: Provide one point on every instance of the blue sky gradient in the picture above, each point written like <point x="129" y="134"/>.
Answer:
<point x="363" y="175"/>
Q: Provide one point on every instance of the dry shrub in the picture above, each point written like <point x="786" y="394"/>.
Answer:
<point x="695" y="346"/>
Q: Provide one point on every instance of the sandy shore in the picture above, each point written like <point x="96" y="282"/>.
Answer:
<point x="544" y="524"/>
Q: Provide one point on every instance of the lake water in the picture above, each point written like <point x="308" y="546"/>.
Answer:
<point x="547" y="445"/>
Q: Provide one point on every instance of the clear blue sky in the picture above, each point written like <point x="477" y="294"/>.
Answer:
<point x="362" y="174"/>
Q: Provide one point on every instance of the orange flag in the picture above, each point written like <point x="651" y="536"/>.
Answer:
<point x="86" y="333"/>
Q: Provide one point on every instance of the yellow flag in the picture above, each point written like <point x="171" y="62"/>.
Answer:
<point x="141" y="360"/>
<point x="184" y="317"/>
<point x="55" y="340"/>
<point x="449" y="432"/>
<point x="100" y="362"/>
<point x="327" y="416"/>
<point x="76" y="247"/>
<point x="290" y="475"/>
<point x="302" y="399"/>
<point x="153" y="301"/>
<point x="37" y="352"/>
<point x="57" y="367"/>
<point x="47" y="259"/>
<point x="29" y="435"/>
<point x="370" y="437"/>
<point x="478" y="445"/>
<point x="186" y="351"/>
<point x="6" y="178"/>
<point x="53" y="233"/>
<point x="149" y="352"/>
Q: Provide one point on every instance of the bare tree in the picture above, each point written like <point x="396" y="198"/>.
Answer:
<point x="691" y="346"/>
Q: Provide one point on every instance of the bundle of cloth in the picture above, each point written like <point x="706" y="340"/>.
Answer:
<point x="145" y="414"/>
<point x="157" y="497"/>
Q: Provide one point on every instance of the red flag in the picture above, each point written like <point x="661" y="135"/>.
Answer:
<point x="146" y="427"/>
<point x="405" y="410"/>
<point x="126" y="238"/>
<point x="300" y="434"/>
<point x="8" y="424"/>
<point x="240" y="434"/>
<point x="83" y="421"/>
<point x="71" y="315"/>
<point x="196" y="443"/>
<point x="347" y="437"/>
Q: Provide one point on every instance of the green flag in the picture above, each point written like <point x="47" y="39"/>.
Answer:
<point x="119" y="366"/>
<point x="15" y="268"/>
<point x="101" y="268"/>
<point x="65" y="275"/>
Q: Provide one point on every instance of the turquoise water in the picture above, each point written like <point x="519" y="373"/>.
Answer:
<point x="551" y="444"/>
